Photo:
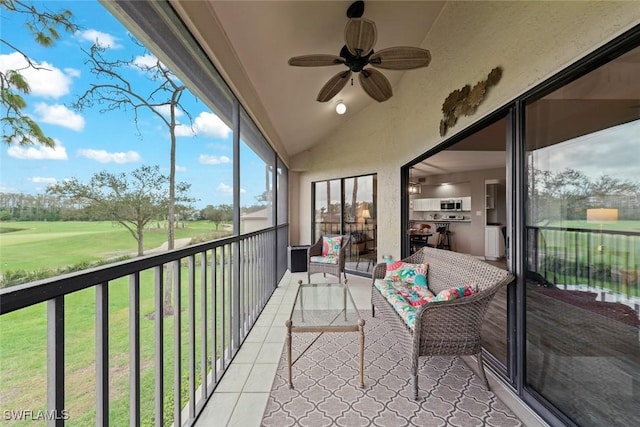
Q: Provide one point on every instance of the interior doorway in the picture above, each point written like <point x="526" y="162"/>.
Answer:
<point x="459" y="195"/>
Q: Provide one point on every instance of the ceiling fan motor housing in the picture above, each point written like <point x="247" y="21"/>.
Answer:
<point x="354" y="62"/>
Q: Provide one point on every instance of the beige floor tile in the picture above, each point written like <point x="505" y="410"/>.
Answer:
<point x="260" y="378"/>
<point x="248" y="352"/>
<point x="271" y="308"/>
<point x="270" y="352"/>
<point x="234" y="379"/>
<point x="276" y="334"/>
<point x="257" y="334"/>
<point x="281" y="318"/>
<point x="249" y="410"/>
<point x="218" y="411"/>
<point x="265" y="319"/>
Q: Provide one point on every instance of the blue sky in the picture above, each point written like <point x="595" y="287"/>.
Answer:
<point x="89" y="141"/>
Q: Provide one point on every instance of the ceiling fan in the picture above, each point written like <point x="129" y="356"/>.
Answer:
<point x="360" y="36"/>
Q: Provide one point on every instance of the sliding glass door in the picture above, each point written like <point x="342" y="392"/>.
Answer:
<point x="583" y="245"/>
<point x="348" y="206"/>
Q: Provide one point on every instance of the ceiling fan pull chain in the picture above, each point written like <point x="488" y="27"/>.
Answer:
<point x="351" y="81"/>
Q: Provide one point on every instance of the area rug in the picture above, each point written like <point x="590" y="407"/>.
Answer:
<point x="327" y="393"/>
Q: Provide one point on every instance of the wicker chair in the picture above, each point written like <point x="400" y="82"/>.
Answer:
<point x="448" y="328"/>
<point x="318" y="267"/>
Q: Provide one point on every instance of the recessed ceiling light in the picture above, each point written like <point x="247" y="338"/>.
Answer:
<point x="341" y="108"/>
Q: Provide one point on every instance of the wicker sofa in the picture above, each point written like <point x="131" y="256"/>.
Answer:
<point x="447" y="328"/>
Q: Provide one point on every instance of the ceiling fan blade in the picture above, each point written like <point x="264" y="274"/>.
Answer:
<point x="375" y="84"/>
<point x="333" y="86"/>
<point x="360" y="36"/>
<point x="319" y="60"/>
<point x="400" y="58"/>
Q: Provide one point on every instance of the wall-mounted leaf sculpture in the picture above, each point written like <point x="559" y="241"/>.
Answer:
<point x="465" y="101"/>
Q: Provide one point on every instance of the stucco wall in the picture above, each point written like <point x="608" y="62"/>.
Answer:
<point x="530" y="40"/>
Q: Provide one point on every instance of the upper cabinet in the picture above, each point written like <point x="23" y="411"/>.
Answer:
<point x="430" y="205"/>
<point x="466" y="203"/>
<point x="434" y="204"/>
<point x="419" y="205"/>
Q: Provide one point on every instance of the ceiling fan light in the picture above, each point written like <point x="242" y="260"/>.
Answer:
<point x="341" y="108"/>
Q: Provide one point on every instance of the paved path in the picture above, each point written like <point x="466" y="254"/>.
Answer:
<point x="179" y="243"/>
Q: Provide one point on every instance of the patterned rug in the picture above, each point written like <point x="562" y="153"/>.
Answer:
<point x="327" y="392"/>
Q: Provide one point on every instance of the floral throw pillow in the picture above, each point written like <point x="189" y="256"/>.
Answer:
<point x="415" y="295"/>
<point x="331" y="245"/>
<point x="400" y="271"/>
<point x="456" y="293"/>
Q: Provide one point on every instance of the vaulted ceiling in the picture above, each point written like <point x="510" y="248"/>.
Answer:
<point x="255" y="39"/>
<point x="250" y="42"/>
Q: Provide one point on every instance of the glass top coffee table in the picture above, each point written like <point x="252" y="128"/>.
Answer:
<point x="324" y="307"/>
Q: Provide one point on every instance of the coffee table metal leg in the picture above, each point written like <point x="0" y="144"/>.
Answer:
<point x="361" y="331"/>
<point x="288" y="325"/>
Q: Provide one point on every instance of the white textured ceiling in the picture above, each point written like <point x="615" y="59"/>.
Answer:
<point x="263" y="35"/>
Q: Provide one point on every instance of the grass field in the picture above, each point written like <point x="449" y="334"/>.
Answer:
<point x="33" y="244"/>
<point x="23" y="333"/>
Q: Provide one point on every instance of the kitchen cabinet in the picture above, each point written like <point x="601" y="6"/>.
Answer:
<point x="466" y="204"/>
<point x="493" y="242"/>
<point x="419" y="204"/>
<point x="429" y="205"/>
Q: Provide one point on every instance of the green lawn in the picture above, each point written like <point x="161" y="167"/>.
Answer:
<point x="23" y="333"/>
<point x="594" y="257"/>
<point x="37" y="244"/>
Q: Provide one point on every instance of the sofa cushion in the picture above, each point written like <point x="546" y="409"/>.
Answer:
<point x="456" y="293"/>
<point x="405" y="272"/>
<point x="406" y="298"/>
<point x="331" y="245"/>
<point x="416" y="295"/>
<point x="331" y="259"/>
<point x="389" y="289"/>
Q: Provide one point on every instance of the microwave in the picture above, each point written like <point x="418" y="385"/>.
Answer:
<point x="450" y="205"/>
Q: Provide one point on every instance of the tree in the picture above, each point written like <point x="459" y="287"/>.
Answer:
<point x="218" y="214"/>
<point x="568" y="193"/>
<point x="131" y="201"/>
<point x="17" y="126"/>
<point x="116" y="92"/>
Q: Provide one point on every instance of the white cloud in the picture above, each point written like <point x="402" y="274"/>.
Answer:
<point x="166" y="110"/>
<point x="145" y="61"/>
<point x="60" y="115"/>
<point x="101" y="39"/>
<point x="103" y="156"/>
<point x="45" y="80"/>
<point x="180" y="168"/>
<point x="72" y="72"/>
<point x="184" y="130"/>
<point x="39" y="152"/>
<point x="226" y="189"/>
<point x="43" y="180"/>
<point x="611" y="148"/>
<point x="5" y="189"/>
<point x="208" y="124"/>
<point x="213" y="160"/>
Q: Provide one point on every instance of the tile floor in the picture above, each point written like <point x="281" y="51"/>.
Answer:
<point x="240" y="398"/>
